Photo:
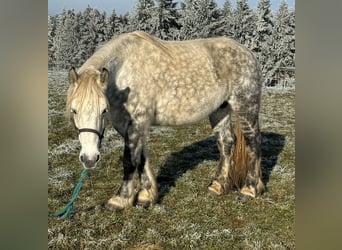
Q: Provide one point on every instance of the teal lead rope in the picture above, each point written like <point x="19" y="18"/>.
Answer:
<point x="65" y="212"/>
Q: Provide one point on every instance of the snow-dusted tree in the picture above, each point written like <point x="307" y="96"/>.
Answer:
<point x="142" y="16"/>
<point x="51" y="37"/>
<point x="167" y="15"/>
<point x="292" y="33"/>
<point x="200" y="19"/>
<point x="125" y="23"/>
<point x="91" y="32"/>
<point x="227" y="19"/>
<point x="65" y="42"/>
<point x="113" y="25"/>
<point x="283" y="37"/>
<point x="99" y="26"/>
<point x="244" y="23"/>
<point x="262" y="40"/>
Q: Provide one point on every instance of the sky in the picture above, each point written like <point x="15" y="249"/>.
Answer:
<point x="123" y="6"/>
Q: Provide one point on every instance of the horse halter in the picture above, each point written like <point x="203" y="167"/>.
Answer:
<point x="100" y="135"/>
<point x="90" y="130"/>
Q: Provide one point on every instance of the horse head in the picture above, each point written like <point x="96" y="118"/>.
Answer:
<point x="87" y="104"/>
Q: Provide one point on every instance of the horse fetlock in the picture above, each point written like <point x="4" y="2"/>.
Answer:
<point x="253" y="190"/>
<point x="218" y="187"/>
<point x="119" y="203"/>
<point x="146" y="197"/>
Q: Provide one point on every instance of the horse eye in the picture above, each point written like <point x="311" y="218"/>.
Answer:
<point x="104" y="111"/>
<point x="73" y="111"/>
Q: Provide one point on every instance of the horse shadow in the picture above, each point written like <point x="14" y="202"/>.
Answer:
<point x="190" y="156"/>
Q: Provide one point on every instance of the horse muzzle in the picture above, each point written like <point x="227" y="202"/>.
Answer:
<point x="89" y="162"/>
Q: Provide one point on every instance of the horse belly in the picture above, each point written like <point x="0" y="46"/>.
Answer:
<point x="186" y="109"/>
<point x="181" y="118"/>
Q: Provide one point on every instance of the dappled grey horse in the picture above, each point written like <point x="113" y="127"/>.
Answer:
<point x="143" y="81"/>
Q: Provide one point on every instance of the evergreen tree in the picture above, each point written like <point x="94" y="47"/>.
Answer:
<point x="142" y="16"/>
<point x="200" y="19"/>
<point x="283" y="38"/>
<point x="65" y="42"/>
<point x="125" y="24"/>
<point x="292" y="37"/>
<point x="244" y="20"/>
<point x="51" y="36"/>
<point x="227" y="19"/>
<point x="262" y="41"/>
<point x="99" y="26"/>
<point x="112" y="25"/>
<point x="91" y="32"/>
<point x="167" y="19"/>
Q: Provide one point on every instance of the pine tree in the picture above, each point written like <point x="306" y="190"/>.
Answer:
<point x="65" y="42"/>
<point x="112" y="25"/>
<point x="91" y="32"/>
<point x="167" y="19"/>
<point x="244" y="20"/>
<point x="125" y="24"/>
<point x="283" y="37"/>
<point x="262" y="40"/>
<point x="51" y="37"/>
<point x="142" y="16"/>
<point x="200" y="19"/>
<point x="99" y="26"/>
<point x="227" y="19"/>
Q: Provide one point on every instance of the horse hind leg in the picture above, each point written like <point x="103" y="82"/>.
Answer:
<point x="253" y="185"/>
<point x="221" y="124"/>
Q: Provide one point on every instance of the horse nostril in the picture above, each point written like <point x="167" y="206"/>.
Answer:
<point x="97" y="158"/>
<point x="82" y="158"/>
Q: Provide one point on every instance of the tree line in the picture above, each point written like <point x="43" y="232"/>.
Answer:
<point x="73" y="36"/>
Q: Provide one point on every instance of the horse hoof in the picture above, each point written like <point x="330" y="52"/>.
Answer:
<point x="215" y="188"/>
<point x="117" y="203"/>
<point x="253" y="191"/>
<point x="145" y="198"/>
<point x="112" y="207"/>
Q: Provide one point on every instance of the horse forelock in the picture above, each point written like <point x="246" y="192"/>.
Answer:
<point x="87" y="91"/>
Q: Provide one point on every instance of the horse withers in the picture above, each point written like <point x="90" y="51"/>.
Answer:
<point x="143" y="81"/>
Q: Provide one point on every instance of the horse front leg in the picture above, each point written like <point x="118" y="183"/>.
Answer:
<point x="125" y="195"/>
<point x="132" y="158"/>
<point x="148" y="186"/>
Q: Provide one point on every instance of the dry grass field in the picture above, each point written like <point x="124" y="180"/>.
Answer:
<point x="184" y="160"/>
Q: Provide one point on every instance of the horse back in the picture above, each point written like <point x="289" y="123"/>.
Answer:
<point x="177" y="82"/>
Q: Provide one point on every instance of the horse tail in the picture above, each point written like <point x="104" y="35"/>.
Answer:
<point x="240" y="159"/>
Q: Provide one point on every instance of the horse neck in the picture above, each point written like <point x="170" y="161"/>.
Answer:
<point x="102" y="57"/>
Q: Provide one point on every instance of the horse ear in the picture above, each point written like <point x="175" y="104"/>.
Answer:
<point x="73" y="76"/>
<point x="104" y="76"/>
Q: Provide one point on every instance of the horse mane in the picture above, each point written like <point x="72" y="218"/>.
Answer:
<point x="153" y="41"/>
<point x="88" y="88"/>
<point x="117" y="47"/>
